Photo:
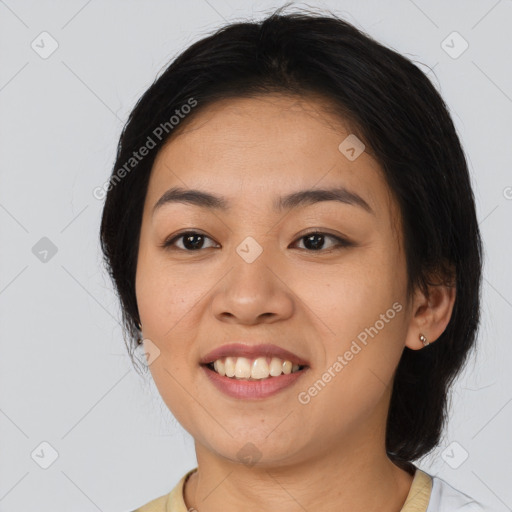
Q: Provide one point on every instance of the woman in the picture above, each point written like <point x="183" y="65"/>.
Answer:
<point x="291" y="230"/>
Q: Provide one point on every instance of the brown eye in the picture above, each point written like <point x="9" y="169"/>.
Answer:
<point x="192" y="241"/>
<point x="315" y="241"/>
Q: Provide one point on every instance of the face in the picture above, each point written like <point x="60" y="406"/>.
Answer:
<point x="324" y="279"/>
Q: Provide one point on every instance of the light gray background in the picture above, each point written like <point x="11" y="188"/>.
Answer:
<point x="64" y="375"/>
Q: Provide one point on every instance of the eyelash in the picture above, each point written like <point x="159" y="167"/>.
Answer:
<point x="341" y="242"/>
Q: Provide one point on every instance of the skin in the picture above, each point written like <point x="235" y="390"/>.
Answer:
<point x="313" y="303"/>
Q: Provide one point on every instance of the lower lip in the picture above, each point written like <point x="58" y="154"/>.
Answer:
<point x="251" y="389"/>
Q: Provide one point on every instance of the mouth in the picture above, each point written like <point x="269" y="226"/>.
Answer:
<point x="252" y="372"/>
<point x="260" y="368"/>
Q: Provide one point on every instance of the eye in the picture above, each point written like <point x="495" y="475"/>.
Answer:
<point x="314" y="241"/>
<point x="192" y="241"/>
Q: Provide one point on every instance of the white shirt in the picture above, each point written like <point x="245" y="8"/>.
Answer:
<point x="445" y="498"/>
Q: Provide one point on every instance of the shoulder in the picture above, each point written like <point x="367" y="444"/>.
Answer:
<point x="171" y="502"/>
<point x="446" y="498"/>
<point x="157" y="505"/>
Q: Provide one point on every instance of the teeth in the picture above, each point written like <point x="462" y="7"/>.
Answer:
<point x="220" y="367"/>
<point x="276" y="366"/>
<point x="229" y="365"/>
<point x="242" y="368"/>
<point x="257" y="369"/>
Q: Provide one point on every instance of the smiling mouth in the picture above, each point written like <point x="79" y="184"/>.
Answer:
<point x="253" y="369"/>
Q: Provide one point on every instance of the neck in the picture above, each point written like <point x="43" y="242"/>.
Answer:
<point x="345" y="481"/>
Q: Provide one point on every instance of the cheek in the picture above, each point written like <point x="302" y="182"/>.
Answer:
<point x="177" y="392"/>
<point x="367" y="314"/>
<point x="169" y="299"/>
<point x="361" y="350"/>
<point x="164" y="294"/>
<point x="363" y="306"/>
<point x="350" y="296"/>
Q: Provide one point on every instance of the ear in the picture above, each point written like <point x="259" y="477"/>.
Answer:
<point x="430" y="314"/>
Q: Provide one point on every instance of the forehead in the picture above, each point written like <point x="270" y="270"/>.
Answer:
<point x="261" y="147"/>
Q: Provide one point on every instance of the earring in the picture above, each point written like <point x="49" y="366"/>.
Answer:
<point x="423" y="340"/>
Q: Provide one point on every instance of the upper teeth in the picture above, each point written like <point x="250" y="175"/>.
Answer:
<point x="259" y="368"/>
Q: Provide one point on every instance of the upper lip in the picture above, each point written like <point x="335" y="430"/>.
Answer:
<point x="251" y="352"/>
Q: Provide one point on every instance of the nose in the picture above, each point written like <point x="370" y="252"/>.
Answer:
<point x="253" y="292"/>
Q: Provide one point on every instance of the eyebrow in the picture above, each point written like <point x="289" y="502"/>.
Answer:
<point x="294" y="200"/>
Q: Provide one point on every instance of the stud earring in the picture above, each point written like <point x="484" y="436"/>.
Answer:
<point x="139" y="341"/>
<point x="423" y="340"/>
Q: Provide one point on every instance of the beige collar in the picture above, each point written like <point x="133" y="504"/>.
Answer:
<point x="416" y="501"/>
